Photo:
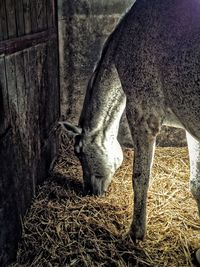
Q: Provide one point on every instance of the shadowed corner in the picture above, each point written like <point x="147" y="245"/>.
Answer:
<point x="68" y="183"/>
<point x="63" y="169"/>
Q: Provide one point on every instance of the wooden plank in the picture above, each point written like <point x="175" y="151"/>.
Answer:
<point x="50" y="97"/>
<point x="3" y="22"/>
<point x="42" y="70"/>
<point x="41" y="15"/>
<point x="27" y="16"/>
<point x="34" y="26"/>
<point x="24" y="128"/>
<point x="30" y="63"/>
<point x="18" y="105"/>
<point x="32" y="90"/>
<point x="19" y="17"/>
<point x="4" y="107"/>
<point x="21" y="94"/>
<point x="31" y="116"/>
<point x="11" y="18"/>
<point x="54" y="3"/>
<point x="11" y="46"/>
<point x="27" y="90"/>
<point x="50" y="13"/>
<point x="15" y="80"/>
<point x="53" y="83"/>
<point x="12" y="88"/>
<point x="1" y="30"/>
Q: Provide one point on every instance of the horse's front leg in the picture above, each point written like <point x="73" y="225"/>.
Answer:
<point x="143" y="155"/>
<point x="144" y="137"/>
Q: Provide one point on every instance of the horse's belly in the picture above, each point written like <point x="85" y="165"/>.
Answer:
<point x="183" y="98"/>
<point x="171" y="119"/>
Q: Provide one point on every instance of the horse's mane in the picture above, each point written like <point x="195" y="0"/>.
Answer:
<point x="110" y="45"/>
<point x="109" y="41"/>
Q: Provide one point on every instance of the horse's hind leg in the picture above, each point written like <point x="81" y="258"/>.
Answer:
<point x="194" y="155"/>
<point x="144" y="131"/>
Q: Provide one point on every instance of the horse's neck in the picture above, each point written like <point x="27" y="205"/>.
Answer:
<point x="104" y="105"/>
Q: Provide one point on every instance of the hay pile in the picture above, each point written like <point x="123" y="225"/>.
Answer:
<point x="63" y="228"/>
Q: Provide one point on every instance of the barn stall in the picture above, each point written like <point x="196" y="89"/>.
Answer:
<point x="29" y="110"/>
<point x="63" y="228"/>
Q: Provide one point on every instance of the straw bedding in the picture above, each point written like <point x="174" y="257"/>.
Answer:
<point x="63" y="228"/>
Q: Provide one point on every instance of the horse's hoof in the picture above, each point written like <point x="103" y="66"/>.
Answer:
<point x="196" y="257"/>
<point x="136" y="236"/>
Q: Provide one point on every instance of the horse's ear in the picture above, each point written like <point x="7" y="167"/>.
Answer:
<point x="74" y="130"/>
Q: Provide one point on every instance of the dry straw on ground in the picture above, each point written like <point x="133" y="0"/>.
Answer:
<point x="63" y="228"/>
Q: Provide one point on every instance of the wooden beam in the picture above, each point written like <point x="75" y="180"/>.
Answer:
<point x="20" y="43"/>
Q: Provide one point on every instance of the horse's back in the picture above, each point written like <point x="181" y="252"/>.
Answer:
<point x="158" y="53"/>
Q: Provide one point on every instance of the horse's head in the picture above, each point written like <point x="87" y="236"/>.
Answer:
<point x="98" y="157"/>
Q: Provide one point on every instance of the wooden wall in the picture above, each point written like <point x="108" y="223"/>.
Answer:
<point x="29" y="109"/>
<point x="22" y="17"/>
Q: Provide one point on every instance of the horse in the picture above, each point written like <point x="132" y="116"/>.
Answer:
<point x="149" y="67"/>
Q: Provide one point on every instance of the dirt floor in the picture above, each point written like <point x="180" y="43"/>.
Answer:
<point x="63" y="228"/>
